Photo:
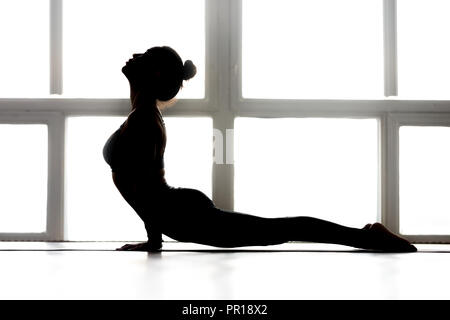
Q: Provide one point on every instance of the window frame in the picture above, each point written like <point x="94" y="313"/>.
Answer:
<point x="223" y="102"/>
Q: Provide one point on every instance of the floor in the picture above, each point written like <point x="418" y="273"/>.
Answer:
<point x="39" y="270"/>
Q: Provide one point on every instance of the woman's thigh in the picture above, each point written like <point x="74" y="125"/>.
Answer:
<point x="183" y="209"/>
<point x="235" y="229"/>
<point x="201" y="222"/>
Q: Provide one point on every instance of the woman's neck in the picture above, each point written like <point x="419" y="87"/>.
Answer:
<point x="142" y="100"/>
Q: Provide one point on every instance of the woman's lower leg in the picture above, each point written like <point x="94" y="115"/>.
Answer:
<point x="311" y="229"/>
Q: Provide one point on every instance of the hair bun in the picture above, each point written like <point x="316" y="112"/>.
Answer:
<point x="189" y="70"/>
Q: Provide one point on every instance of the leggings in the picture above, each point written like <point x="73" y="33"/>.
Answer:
<point x="188" y="215"/>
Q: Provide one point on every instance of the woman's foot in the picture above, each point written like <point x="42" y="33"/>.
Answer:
<point x="381" y="239"/>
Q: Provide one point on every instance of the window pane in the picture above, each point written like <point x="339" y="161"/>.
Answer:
<point x="24" y="54"/>
<point x="23" y="178"/>
<point x="112" y="30"/>
<point x="95" y="210"/>
<point x="188" y="156"/>
<point x="325" y="168"/>
<point x="423" y="48"/>
<point x="424" y="180"/>
<point x="312" y="49"/>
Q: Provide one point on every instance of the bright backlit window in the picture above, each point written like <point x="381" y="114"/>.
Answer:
<point x="95" y="210"/>
<point x="24" y="53"/>
<point x="23" y="177"/>
<point x="423" y="48"/>
<point x="101" y="35"/>
<point x="325" y="168"/>
<point x="312" y="49"/>
<point x="276" y="62"/>
<point x="424" y="180"/>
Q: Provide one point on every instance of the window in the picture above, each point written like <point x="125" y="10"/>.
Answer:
<point x="312" y="49"/>
<point x="24" y="36"/>
<point x="288" y="167"/>
<point x="424" y="180"/>
<point x="352" y="93"/>
<point x="423" y="49"/>
<point x="23" y="178"/>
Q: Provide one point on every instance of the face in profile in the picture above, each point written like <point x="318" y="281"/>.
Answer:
<point x="131" y="64"/>
<point x="143" y="70"/>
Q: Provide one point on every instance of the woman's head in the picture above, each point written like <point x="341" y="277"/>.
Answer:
<point x="159" y="72"/>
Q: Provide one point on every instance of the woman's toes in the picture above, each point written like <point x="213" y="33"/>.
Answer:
<point x="388" y="241"/>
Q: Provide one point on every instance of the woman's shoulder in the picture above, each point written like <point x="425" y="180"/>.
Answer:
<point x="140" y="119"/>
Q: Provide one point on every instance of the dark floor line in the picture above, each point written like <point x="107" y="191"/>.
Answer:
<point x="220" y="251"/>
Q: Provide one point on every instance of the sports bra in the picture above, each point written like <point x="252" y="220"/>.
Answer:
<point x="138" y="146"/>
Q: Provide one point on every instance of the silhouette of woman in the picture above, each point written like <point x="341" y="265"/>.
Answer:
<point x="135" y="153"/>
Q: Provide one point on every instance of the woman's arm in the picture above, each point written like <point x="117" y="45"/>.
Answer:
<point x="154" y="236"/>
<point x="154" y="242"/>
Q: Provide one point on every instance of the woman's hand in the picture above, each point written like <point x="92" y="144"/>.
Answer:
<point x="144" y="246"/>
